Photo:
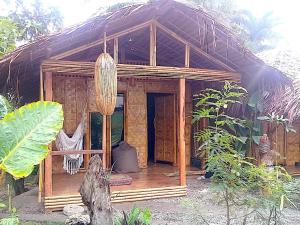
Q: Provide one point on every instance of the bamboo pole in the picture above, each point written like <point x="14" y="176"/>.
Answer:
<point x="104" y="141"/>
<point x="48" y="160"/>
<point x="41" y="166"/>
<point x="181" y="131"/>
<point x="187" y="56"/>
<point x="153" y="44"/>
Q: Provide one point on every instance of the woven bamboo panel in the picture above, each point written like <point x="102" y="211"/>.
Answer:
<point x="72" y="94"/>
<point x="75" y="92"/>
<point x="293" y="146"/>
<point x="137" y="121"/>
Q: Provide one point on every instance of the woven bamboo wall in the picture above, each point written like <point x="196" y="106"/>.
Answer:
<point x="74" y="93"/>
<point x="293" y="146"/>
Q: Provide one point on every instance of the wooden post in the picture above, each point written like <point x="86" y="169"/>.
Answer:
<point x="116" y="50"/>
<point x="153" y="44"/>
<point x="181" y="131"/>
<point x="187" y="56"/>
<point x="104" y="141"/>
<point x="41" y="166"/>
<point x="48" y="160"/>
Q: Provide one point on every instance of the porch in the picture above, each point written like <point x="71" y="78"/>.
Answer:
<point x="158" y="180"/>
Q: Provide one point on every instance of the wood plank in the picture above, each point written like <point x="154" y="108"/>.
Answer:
<point x="79" y="152"/>
<point x="41" y="166"/>
<point x="48" y="160"/>
<point x="86" y="69"/>
<point x="181" y="131"/>
<point x="152" y="44"/>
<point x="200" y="51"/>
<point x="104" y="140"/>
<point x="116" y="50"/>
<point x="108" y="141"/>
<point x="101" y="41"/>
<point x="187" y="56"/>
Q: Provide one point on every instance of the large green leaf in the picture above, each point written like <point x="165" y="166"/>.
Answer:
<point x="25" y="135"/>
<point x="5" y="106"/>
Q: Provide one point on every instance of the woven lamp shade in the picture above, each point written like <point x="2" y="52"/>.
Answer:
<point x="106" y="84"/>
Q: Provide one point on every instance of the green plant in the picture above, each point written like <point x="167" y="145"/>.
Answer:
<point x="255" y="190"/>
<point x="135" y="217"/>
<point x="213" y="105"/>
<point x="5" y="106"/>
<point x="25" y="135"/>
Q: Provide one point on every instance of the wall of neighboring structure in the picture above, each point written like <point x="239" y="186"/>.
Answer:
<point x="75" y="92"/>
<point x="291" y="153"/>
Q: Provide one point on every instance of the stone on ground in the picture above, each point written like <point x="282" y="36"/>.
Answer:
<point x="78" y="219"/>
<point x="70" y="210"/>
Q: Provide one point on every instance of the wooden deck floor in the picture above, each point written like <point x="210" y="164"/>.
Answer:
<point x="292" y="170"/>
<point x="152" y="177"/>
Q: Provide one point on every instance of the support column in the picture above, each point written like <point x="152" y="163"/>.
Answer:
<point x="41" y="166"/>
<point x="48" y="160"/>
<point x="153" y="44"/>
<point x="181" y="133"/>
<point x="104" y="140"/>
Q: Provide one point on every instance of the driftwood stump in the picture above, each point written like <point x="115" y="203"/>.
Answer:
<point x="95" y="193"/>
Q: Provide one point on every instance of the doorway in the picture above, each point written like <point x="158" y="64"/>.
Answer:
<point x="161" y="120"/>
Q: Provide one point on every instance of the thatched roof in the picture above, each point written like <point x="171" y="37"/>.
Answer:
<point x="288" y="101"/>
<point x="194" y="25"/>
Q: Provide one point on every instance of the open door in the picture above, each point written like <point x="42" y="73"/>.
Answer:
<point x="165" y="124"/>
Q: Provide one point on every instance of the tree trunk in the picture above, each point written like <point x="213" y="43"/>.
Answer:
<point x="95" y="193"/>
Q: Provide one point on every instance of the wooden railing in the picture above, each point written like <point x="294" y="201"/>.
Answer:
<point x="79" y="152"/>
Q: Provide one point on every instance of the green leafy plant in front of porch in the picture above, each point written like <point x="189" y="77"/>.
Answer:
<point x="24" y="137"/>
<point x="213" y="106"/>
<point x="136" y="216"/>
<point x="250" y="189"/>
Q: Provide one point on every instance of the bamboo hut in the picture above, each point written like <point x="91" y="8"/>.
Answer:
<point x="165" y="53"/>
<point x="286" y="103"/>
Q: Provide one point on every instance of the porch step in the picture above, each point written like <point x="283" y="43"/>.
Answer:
<point x="56" y="203"/>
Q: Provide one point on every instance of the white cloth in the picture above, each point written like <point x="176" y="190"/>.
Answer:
<point x="72" y="163"/>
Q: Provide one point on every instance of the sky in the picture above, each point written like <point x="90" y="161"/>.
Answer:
<point x="287" y="11"/>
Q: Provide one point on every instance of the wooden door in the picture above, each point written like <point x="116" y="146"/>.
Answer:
<point x="165" y="124"/>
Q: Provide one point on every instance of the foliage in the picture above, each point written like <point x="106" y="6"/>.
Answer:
<point x="258" y="33"/>
<point x="254" y="189"/>
<point x="5" y="106"/>
<point x="220" y="135"/>
<point x="135" y="217"/>
<point x="25" y="134"/>
<point x="33" y="19"/>
<point x="8" y="35"/>
<point x="11" y="220"/>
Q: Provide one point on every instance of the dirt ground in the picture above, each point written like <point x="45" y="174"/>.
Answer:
<point x="199" y="207"/>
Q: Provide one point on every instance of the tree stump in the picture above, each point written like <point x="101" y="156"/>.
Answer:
<point x="95" y="193"/>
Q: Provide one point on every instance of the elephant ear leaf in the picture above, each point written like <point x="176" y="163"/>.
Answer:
<point x="5" y="106"/>
<point x="25" y="135"/>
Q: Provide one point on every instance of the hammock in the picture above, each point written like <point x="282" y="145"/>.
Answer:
<point x="72" y="162"/>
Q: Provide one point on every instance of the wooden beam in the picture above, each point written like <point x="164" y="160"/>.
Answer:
<point x="48" y="160"/>
<point x="195" y="48"/>
<point x="98" y="42"/>
<point x="86" y="69"/>
<point x="181" y="131"/>
<point x="41" y="166"/>
<point x="79" y="152"/>
<point x="116" y="50"/>
<point x="187" y="56"/>
<point x="152" y="44"/>
<point x="104" y="141"/>
<point x="108" y="142"/>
